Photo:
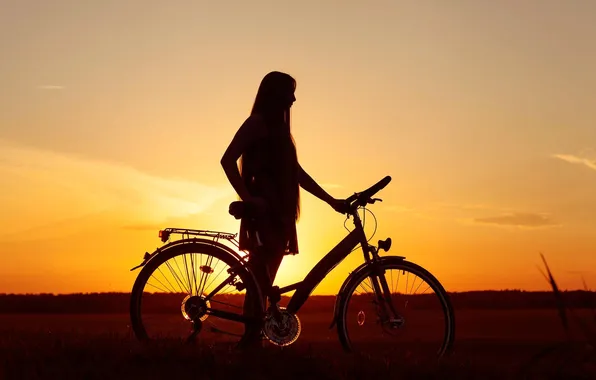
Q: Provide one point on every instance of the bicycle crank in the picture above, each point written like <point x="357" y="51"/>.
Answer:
<point x="283" y="328"/>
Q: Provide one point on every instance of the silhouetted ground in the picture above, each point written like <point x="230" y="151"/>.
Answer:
<point x="490" y="344"/>
<point x="114" y="303"/>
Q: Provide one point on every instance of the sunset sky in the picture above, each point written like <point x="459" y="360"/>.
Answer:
<point x="114" y="116"/>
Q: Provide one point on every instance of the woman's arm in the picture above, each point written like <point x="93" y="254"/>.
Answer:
<point x="250" y="131"/>
<point x="309" y="184"/>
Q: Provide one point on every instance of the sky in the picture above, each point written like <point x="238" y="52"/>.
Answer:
<point x="114" y="116"/>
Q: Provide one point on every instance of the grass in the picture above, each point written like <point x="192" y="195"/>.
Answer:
<point x="119" y="358"/>
<point x="74" y="349"/>
<point x="576" y="357"/>
<point x="43" y="346"/>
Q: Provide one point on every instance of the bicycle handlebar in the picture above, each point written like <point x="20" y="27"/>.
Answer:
<point x="364" y="197"/>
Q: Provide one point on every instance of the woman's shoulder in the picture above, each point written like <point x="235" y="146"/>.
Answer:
<point x="255" y="125"/>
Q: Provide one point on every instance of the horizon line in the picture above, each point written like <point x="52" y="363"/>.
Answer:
<point x="312" y="295"/>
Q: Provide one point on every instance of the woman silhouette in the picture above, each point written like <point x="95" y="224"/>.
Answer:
<point x="270" y="178"/>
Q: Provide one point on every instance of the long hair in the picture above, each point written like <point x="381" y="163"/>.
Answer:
<point x="271" y="104"/>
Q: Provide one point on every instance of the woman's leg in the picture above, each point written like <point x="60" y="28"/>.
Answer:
<point x="252" y="335"/>
<point x="273" y="263"/>
<point x="264" y="265"/>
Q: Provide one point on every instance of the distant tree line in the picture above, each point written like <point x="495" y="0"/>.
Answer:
<point x="119" y="302"/>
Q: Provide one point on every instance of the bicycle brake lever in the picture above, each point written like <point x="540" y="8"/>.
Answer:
<point x="373" y="200"/>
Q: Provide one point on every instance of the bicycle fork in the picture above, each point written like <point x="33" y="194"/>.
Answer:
<point x="385" y="308"/>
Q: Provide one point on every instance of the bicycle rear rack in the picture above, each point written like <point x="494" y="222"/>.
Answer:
<point x="186" y="233"/>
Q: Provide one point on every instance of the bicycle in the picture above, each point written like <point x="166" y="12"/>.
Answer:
<point x="198" y="303"/>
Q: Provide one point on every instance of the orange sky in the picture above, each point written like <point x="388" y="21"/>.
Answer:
<point x="114" y="115"/>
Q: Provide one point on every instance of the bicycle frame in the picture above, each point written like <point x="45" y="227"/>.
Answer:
<point x="372" y="267"/>
<point x="346" y="246"/>
<point x="303" y="288"/>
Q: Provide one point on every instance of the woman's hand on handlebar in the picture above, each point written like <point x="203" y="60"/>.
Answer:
<point x="340" y="205"/>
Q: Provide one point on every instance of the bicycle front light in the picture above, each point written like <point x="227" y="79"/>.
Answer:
<point x="385" y="245"/>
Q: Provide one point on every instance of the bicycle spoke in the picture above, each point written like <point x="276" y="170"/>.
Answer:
<point x="391" y="274"/>
<point x="413" y="282"/>
<point x="220" y="287"/>
<point x="204" y="278"/>
<point x="175" y="275"/>
<point x="216" y="276"/>
<point x="369" y="286"/>
<point x="194" y="276"/>
<point x="425" y="290"/>
<point x="162" y="284"/>
<point x="158" y="288"/>
<point x="187" y="274"/>
<point x="419" y="287"/>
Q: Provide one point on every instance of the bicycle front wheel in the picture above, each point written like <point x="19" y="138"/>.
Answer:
<point x="398" y="309"/>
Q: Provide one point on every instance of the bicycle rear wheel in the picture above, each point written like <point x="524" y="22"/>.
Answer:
<point x="190" y="287"/>
<point x="418" y="323"/>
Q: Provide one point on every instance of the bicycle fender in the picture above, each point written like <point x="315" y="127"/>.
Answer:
<point x="194" y="240"/>
<point x="341" y="294"/>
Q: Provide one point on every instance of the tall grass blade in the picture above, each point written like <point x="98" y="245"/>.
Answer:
<point x="558" y="297"/>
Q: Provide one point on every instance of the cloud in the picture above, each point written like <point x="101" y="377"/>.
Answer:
<point x="518" y="220"/>
<point x="42" y="189"/>
<point x="44" y="229"/>
<point x="465" y="213"/>
<point x="50" y="87"/>
<point x="472" y="207"/>
<point x="577" y="160"/>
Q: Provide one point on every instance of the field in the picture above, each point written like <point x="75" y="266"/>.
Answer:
<point x="490" y="343"/>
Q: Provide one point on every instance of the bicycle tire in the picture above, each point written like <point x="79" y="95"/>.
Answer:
<point x="252" y="290"/>
<point x="396" y="263"/>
